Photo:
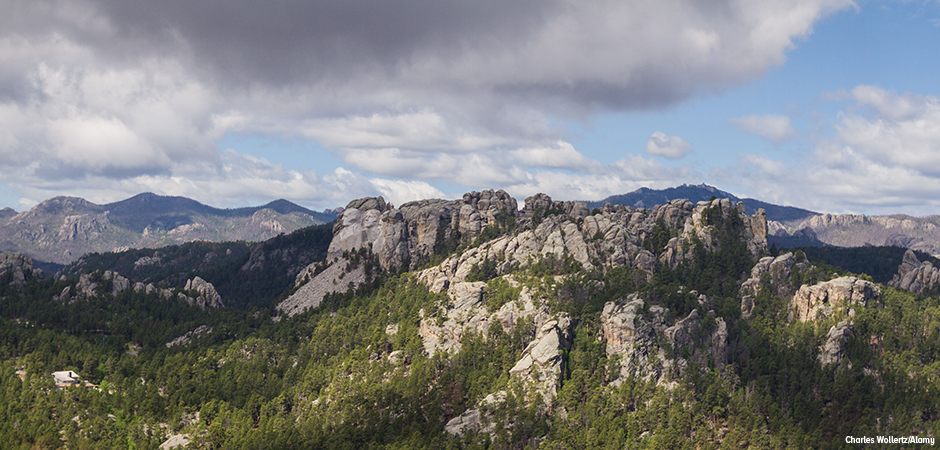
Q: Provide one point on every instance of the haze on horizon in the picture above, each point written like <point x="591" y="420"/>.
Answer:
<point x="829" y="105"/>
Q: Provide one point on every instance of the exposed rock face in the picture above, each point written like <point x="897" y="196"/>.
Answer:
<point x="915" y="276"/>
<point x="208" y="297"/>
<point x="477" y="419"/>
<point x="823" y="298"/>
<point x="90" y="285"/>
<point x="466" y="313"/>
<point x="18" y="267"/>
<point x="833" y="351"/>
<point x="188" y="337"/>
<point x="650" y="349"/>
<point x="310" y="291"/>
<point x="612" y="237"/>
<point x="113" y="283"/>
<point x="411" y="231"/>
<point x="541" y="364"/>
<point x="779" y="270"/>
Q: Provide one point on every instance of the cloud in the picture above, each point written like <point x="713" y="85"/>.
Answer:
<point x="398" y="191"/>
<point x="671" y="147"/>
<point x="776" y="128"/>
<point x="903" y="129"/>
<point x="882" y="159"/>
<point x="113" y="92"/>
<point x="561" y="155"/>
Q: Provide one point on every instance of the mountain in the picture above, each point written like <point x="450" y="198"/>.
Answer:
<point x="854" y="230"/>
<point x="62" y="229"/>
<point x="790" y="227"/>
<point x="647" y="198"/>
<point x="472" y="323"/>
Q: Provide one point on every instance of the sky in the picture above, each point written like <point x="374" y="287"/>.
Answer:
<point x="829" y="105"/>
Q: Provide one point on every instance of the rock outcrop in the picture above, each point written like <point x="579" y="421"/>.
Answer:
<point x="914" y="275"/>
<point x="650" y="349"/>
<point x="466" y="313"/>
<point x="613" y="236"/>
<point x="207" y="296"/>
<point x="112" y="283"/>
<point x="411" y="232"/>
<point x="541" y="365"/>
<point x="186" y="338"/>
<point x="311" y="287"/>
<point x="779" y="270"/>
<point x="832" y="352"/>
<point x="19" y="268"/>
<point x="825" y="298"/>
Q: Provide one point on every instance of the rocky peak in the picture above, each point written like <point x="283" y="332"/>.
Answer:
<point x="914" y="275"/>
<point x="779" y="270"/>
<point x="614" y="236"/>
<point x="19" y="268"/>
<point x="208" y="297"/>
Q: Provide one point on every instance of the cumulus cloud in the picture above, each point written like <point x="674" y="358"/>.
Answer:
<point x="774" y="127"/>
<point x="671" y="147"/>
<point x="467" y="92"/>
<point x="561" y="155"/>
<point x="883" y="158"/>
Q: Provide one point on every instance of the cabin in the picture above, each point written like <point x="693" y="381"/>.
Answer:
<point x="66" y="378"/>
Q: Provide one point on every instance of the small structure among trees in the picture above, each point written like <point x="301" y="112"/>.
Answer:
<point x="66" y="378"/>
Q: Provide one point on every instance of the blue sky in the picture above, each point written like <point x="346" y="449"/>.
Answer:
<point x="824" y="104"/>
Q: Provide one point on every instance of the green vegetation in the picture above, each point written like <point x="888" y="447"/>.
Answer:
<point x="881" y="263"/>
<point x="354" y="373"/>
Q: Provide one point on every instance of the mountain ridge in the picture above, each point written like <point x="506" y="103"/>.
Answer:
<point x="647" y="197"/>
<point x="61" y="229"/>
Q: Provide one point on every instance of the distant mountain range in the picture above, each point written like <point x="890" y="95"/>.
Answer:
<point x="62" y="229"/>
<point x="796" y="227"/>
<point x="647" y="198"/>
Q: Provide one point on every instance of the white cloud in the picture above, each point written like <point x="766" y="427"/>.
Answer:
<point x="398" y="191"/>
<point x="671" y="147"/>
<point x="561" y="155"/>
<point x="883" y="158"/>
<point x="904" y="130"/>
<point x="122" y="96"/>
<point x="774" y="127"/>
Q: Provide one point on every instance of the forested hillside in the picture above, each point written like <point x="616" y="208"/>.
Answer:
<point x="475" y="327"/>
